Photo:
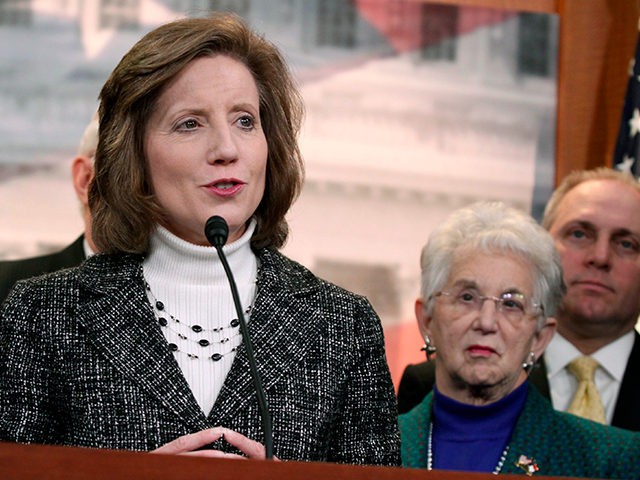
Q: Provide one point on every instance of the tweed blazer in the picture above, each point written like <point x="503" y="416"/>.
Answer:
<point x="560" y="444"/>
<point x="84" y="363"/>
<point x="13" y="270"/>
<point x="417" y="380"/>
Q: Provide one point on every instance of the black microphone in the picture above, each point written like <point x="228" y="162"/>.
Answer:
<point x="216" y="230"/>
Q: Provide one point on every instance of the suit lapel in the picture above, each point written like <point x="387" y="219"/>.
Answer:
<point x="414" y="431"/>
<point x="281" y="330"/>
<point x="626" y="414"/>
<point x="120" y="324"/>
<point x="538" y="378"/>
<point x="528" y="437"/>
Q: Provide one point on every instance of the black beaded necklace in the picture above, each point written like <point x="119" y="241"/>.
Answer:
<point x="204" y="337"/>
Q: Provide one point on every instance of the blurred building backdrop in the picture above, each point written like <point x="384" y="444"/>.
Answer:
<point x="413" y="110"/>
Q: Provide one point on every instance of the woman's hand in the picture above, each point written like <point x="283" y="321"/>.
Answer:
<point x="189" y="445"/>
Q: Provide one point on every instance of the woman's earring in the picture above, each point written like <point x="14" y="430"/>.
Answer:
<point x="529" y="363"/>
<point x="428" y="347"/>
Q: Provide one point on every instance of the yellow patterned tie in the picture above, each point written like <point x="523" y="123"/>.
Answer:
<point x="586" y="402"/>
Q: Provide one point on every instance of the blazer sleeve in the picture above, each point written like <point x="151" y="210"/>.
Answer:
<point x="366" y="430"/>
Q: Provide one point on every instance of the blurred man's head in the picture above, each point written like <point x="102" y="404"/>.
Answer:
<point x="82" y="172"/>
<point x="594" y="217"/>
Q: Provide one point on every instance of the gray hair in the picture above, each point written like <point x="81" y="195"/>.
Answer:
<point x="494" y="227"/>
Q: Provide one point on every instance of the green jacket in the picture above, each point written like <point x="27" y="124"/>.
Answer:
<point x="560" y="444"/>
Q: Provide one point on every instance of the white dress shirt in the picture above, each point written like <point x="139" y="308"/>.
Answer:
<point x="88" y="251"/>
<point x="612" y="359"/>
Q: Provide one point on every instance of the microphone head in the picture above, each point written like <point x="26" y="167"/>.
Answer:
<point x="216" y="230"/>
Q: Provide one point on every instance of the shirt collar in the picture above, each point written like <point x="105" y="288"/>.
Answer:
<point x="612" y="357"/>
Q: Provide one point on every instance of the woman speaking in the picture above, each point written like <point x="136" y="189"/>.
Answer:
<point x="141" y="345"/>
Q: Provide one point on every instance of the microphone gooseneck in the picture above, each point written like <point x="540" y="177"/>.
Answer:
<point x="217" y="231"/>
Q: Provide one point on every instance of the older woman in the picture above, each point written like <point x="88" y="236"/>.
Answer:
<point x="491" y="283"/>
<point x="140" y="345"/>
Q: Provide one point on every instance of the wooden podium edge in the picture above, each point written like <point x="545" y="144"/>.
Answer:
<point x="26" y="462"/>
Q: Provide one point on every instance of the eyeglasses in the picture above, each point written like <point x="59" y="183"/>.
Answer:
<point x="513" y="306"/>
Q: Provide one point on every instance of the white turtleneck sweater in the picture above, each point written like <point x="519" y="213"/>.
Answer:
<point x="191" y="283"/>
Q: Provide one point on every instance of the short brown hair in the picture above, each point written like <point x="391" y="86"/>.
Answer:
<point x="577" y="177"/>
<point x="123" y="206"/>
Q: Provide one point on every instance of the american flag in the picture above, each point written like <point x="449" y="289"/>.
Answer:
<point x="627" y="153"/>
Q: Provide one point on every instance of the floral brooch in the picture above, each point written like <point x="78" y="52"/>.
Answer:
<point x="527" y="464"/>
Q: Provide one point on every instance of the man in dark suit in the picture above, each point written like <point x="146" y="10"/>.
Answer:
<point x="594" y="217"/>
<point x="13" y="270"/>
<point x="81" y="173"/>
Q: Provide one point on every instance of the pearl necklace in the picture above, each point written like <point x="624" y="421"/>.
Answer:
<point x="496" y="470"/>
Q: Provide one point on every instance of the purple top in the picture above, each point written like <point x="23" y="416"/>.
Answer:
<point x="472" y="438"/>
